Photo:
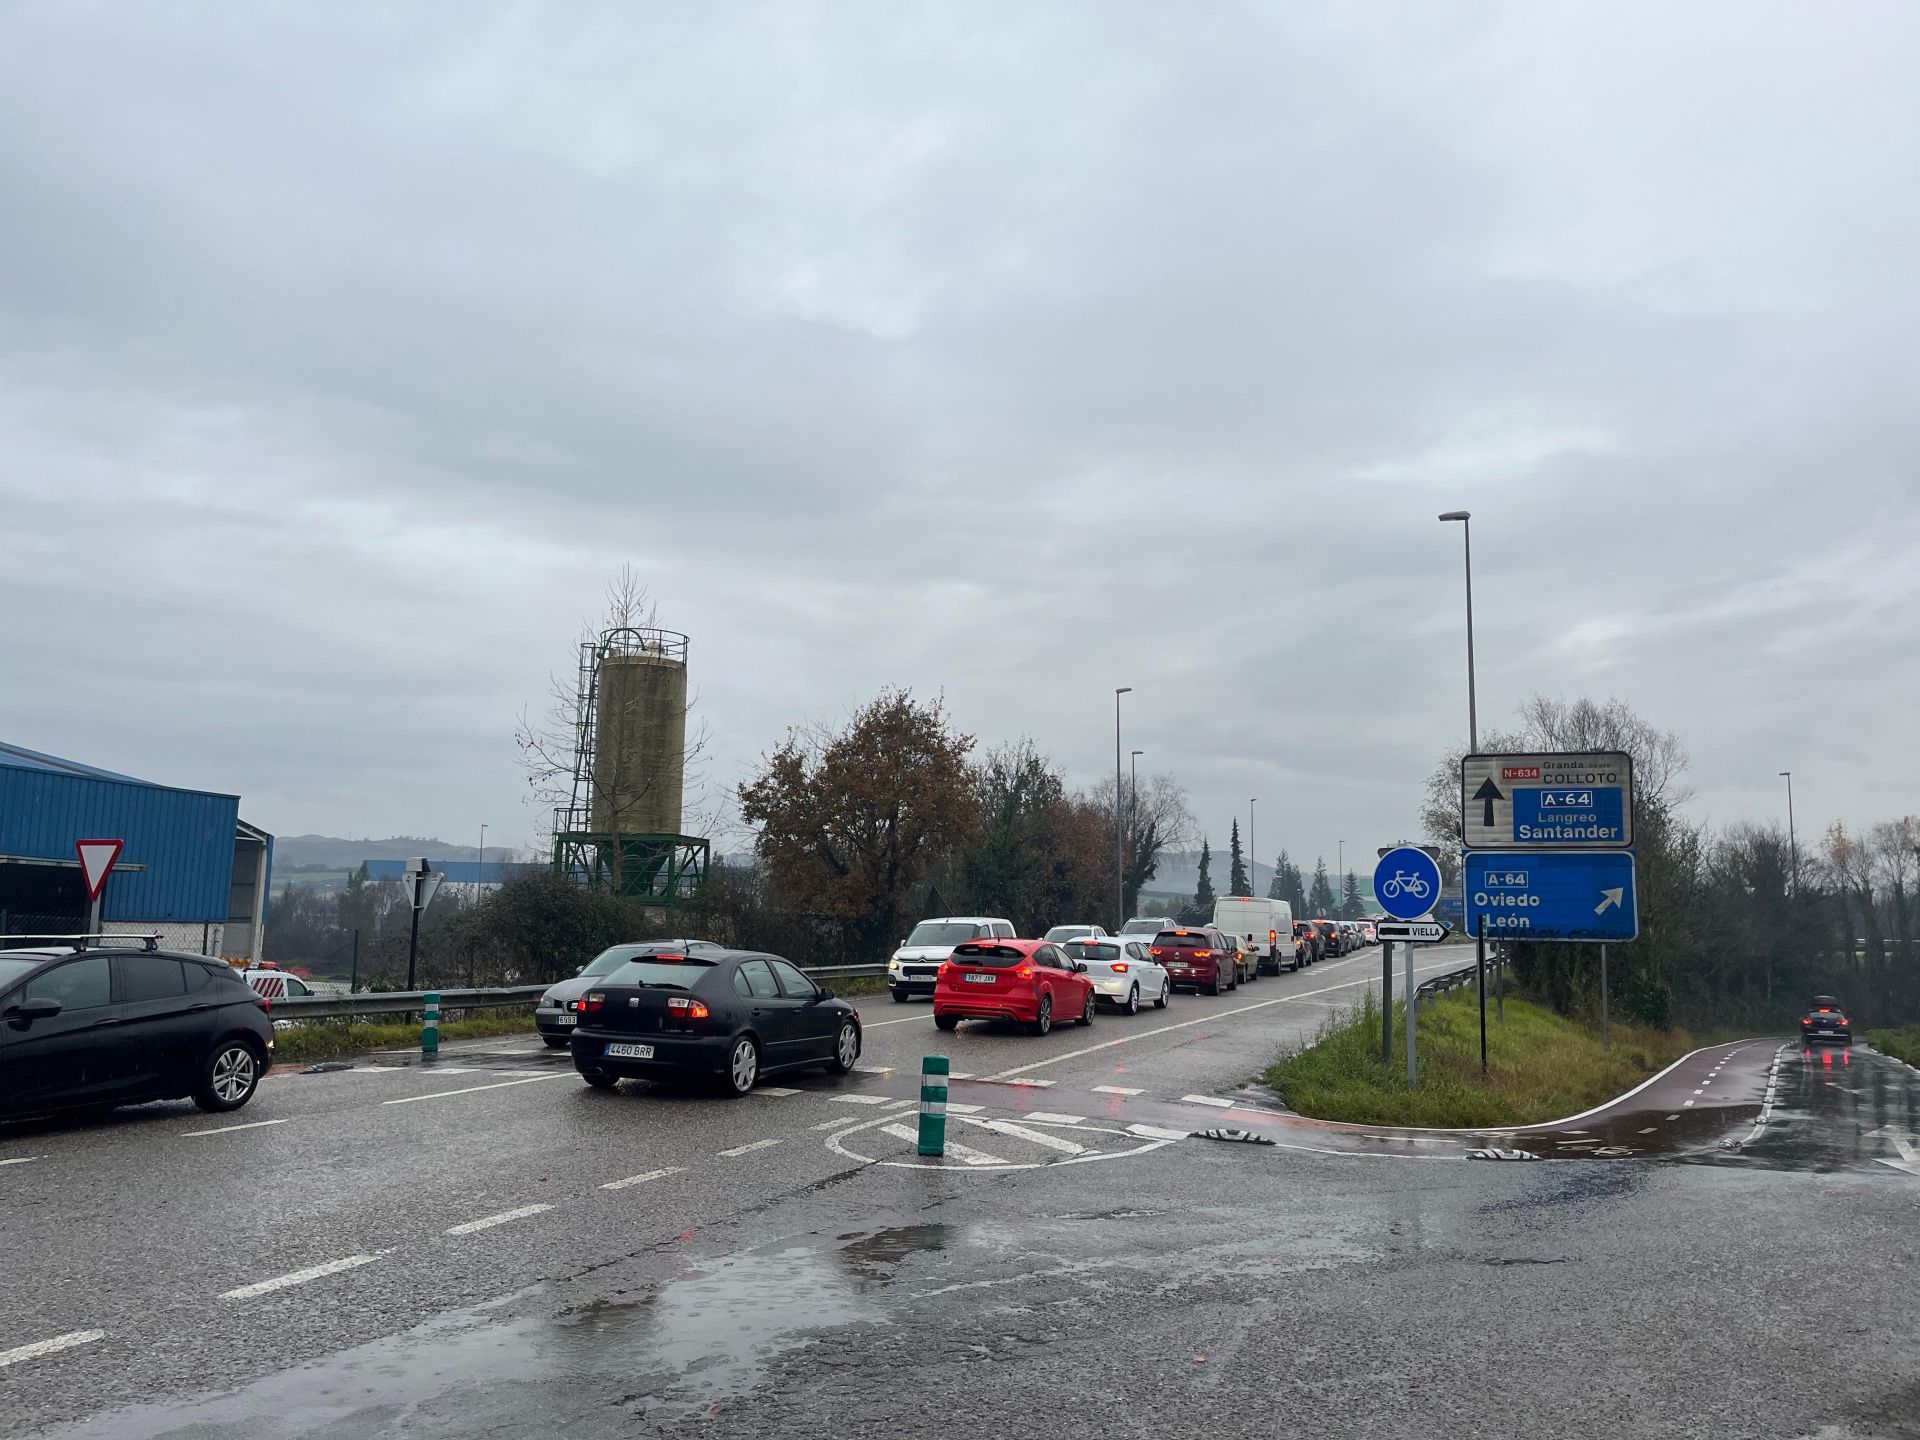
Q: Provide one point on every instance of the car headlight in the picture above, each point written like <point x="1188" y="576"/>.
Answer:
<point x="893" y="966"/>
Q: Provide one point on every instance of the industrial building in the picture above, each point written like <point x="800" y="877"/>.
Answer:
<point x="189" y="868"/>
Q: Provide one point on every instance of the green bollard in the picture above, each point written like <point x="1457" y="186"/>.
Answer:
<point x="933" y="1105"/>
<point x="430" y="1031"/>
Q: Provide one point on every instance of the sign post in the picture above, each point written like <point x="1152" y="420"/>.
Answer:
<point x="97" y="858"/>
<point x="1606" y="1040"/>
<point x="421" y="883"/>
<point x="1406" y="884"/>
<point x="1386" y="999"/>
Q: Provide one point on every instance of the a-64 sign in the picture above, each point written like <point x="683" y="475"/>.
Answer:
<point x="1547" y="802"/>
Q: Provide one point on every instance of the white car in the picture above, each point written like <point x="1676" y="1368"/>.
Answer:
<point x="915" y="965"/>
<point x="1122" y="972"/>
<point x="1060" y="934"/>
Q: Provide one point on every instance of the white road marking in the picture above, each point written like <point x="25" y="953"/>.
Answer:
<point x="299" y="1277"/>
<point x="25" y="1160"/>
<point x="49" y="1347"/>
<point x="748" y="1149"/>
<point x="641" y="1179"/>
<point x="1686" y="1104"/>
<point x="1027" y="1084"/>
<point x="1159" y="1132"/>
<point x="1675" y="1117"/>
<point x="911" y="1100"/>
<point x="840" y="1122"/>
<point x="961" y="1075"/>
<point x="1650" y="1129"/>
<point x="1038" y="1137"/>
<point x="774" y="1090"/>
<point x="875" y="1070"/>
<point x="1117" y="1090"/>
<point x="860" y="1099"/>
<point x="470" y="1089"/>
<point x="1701" y="1091"/>
<point x="1049" y="1116"/>
<point x="965" y="1154"/>
<point x="953" y="1109"/>
<point x="504" y="1217"/>
<point x="229" y="1129"/>
<point x="1211" y="1018"/>
<point x="1207" y="1100"/>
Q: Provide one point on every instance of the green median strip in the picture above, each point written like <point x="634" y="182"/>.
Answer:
<point x="1540" y="1066"/>
<point x="312" y="1040"/>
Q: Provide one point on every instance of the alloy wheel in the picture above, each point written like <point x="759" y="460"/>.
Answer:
<point x="233" y="1074"/>
<point x="745" y="1068"/>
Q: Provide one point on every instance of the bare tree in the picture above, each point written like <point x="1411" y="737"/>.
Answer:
<point x="1152" y="821"/>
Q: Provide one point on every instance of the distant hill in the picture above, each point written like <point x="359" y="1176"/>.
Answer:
<point x="329" y="852"/>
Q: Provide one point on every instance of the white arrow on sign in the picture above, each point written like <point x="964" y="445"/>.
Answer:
<point x="1609" y="899"/>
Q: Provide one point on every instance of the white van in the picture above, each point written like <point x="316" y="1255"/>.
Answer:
<point x="1263" y="926"/>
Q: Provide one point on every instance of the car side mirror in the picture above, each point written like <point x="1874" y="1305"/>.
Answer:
<point x="1079" y="967"/>
<point x="27" y="1011"/>
<point x="823" y="993"/>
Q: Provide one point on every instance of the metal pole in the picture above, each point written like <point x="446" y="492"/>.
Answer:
<point x="1473" y="704"/>
<point x="1499" y="995"/>
<point x="1606" y="1040"/>
<point x="1119" y="884"/>
<point x="93" y="916"/>
<point x="1480" y="960"/>
<point x="1133" y="814"/>
<point x="1793" y="844"/>
<point x="1386" y="1002"/>
<point x="353" y="976"/>
<point x="413" y="932"/>
<point x="1253" y="884"/>
<point x="1407" y="945"/>
<point x="480" y="864"/>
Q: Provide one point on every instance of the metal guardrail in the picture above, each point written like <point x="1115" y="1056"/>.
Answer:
<point x="1456" y="979"/>
<point x="406" y="1002"/>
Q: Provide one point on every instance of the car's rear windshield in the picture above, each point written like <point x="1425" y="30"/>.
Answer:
<point x="611" y="959"/>
<point x="1140" y="927"/>
<point x="12" y="967"/>
<point x="1183" y="940"/>
<point x="1092" y="950"/>
<point x="1064" y="932"/>
<point x="993" y="957"/>
<point x="670" y="971"/>
<point x="942" y="932"/>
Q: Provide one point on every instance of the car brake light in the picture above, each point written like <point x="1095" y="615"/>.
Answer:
<point x="591" y="1003"/>
<point x="688" y="1008"/>
<point x="1201" y="954"/>
<point x="946" y="968"/>
<point x="1025" y="972"/>
<point x="1119" y="967"/>
<point x="1273" y="937"/>
<point x="1155" y="951"/>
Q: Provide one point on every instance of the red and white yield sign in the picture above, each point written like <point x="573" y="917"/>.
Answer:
<point x="96" y="860"/>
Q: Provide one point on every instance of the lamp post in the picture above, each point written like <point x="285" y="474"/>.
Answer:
<point x="1341" y="879"/>
<point x="1473" y="714"/>
<point x="480" y="863"/>
<point x="1793" y="844"/>
<point x="1253" y="862"/>
<point x="1119" y="835"/>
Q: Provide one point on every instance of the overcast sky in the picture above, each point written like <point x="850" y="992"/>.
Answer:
<point x="1012" y="351"/>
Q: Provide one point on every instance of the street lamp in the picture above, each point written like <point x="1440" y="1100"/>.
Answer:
<point x="1473" y="714"/>
<point x="1793" y="844"/>
<point x="1253" y="855"/>
<point x="1341" y="878"/>
<point x="1119" y="839"/>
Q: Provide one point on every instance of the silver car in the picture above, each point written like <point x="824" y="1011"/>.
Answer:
<point x="557" y="1014"/>
<point x="1122" y="972"/>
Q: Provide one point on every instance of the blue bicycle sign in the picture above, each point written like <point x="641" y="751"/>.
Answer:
<point x="1406" y="883"/>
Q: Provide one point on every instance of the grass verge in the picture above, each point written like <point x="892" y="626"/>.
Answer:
<point x="334" y="1039"/>
<point x="1540" y="1066"/>
<point x="1902" y="1044"/>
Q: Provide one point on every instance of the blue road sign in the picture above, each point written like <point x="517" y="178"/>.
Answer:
<point x="1547" y="802"/>
<point x="1552" y="895"/>
<point x="1406" y="882"/>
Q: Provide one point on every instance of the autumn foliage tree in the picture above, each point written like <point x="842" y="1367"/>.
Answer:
<point x="850" y="822"/>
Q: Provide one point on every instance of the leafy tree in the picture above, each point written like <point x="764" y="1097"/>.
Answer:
<point x="1320" y="895"/>
<point x="852" y="821"/>
<point x="1351" y="907"/>
<point x="1237" y="882"/>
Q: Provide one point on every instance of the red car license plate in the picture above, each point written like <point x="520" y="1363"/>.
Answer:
<point x="978" y="979"/>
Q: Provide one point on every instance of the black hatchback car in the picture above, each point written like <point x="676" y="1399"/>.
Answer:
<point x="122" y="1025"/>
<point x="729" y="1015"/>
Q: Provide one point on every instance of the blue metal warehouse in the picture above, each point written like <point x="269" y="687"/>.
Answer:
<point x="190" y="867"/>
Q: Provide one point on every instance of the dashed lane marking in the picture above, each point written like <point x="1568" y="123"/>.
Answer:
<point x="953" y="1109"/>
<point x="487" y="1222"/>
<point x="1650" y="1129"/>
<point x="229" y="1129"/>
<point x="749" y="1148"/>
<point x="1117" y="1090"/>
<point x="860" y="1099"/>
<point x="299" y="1277"/>
<point x="1686" y="1105"/>
<point x="900" y="1104"/>
<point x="1056" y="1119"/>
<point x="632" y="1180"/>
<point x="49" y="1346"/>
<point x="470" y="1089"/>
<point x="1207" y="1100"/>
<point x="25" y="1160"/>
<point x="778" y="1090"/>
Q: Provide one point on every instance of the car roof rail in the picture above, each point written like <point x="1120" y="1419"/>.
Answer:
<point x="78" y="942"/>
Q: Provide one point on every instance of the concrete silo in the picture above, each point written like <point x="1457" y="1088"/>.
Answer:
<point x="622" y="829"/>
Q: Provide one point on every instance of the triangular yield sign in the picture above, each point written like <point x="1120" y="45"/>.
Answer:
<point x="96" y="860"/>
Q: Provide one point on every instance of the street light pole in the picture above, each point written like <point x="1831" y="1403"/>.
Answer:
<point x="1119" y="841"/>
<point x="1465" y="517"/>
<point x="1793" y="844"/>
<point x="1343" y="877"/>
<point x="1253" y="863"/>
<point x="1133" y="805"/>
<point x="480" y="864"/>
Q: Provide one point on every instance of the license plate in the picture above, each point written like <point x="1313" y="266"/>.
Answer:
<point x="566" y="1019"/>
<point x="978" y="979"/>
<point x="619" y="1051"/>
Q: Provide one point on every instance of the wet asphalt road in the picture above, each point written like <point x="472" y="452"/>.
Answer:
<point x="508" y="1253"/>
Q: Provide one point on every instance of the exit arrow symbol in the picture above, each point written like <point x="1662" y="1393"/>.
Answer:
<point x="1610" y="899"/>
<point x="1486" y="795"/>
<point x="1909" y="1160"/>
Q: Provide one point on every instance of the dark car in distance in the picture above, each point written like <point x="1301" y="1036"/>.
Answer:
<point x="726" y="1015"/>
<point x="1826" y="1023"/>
<point x="125" y="1024"/>
<point x="557" y="1014"/>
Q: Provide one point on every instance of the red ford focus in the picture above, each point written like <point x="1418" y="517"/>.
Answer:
<point x="1028" y="981"/>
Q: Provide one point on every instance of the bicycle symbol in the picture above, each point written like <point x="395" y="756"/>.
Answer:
<point x="1412" y="885"/>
